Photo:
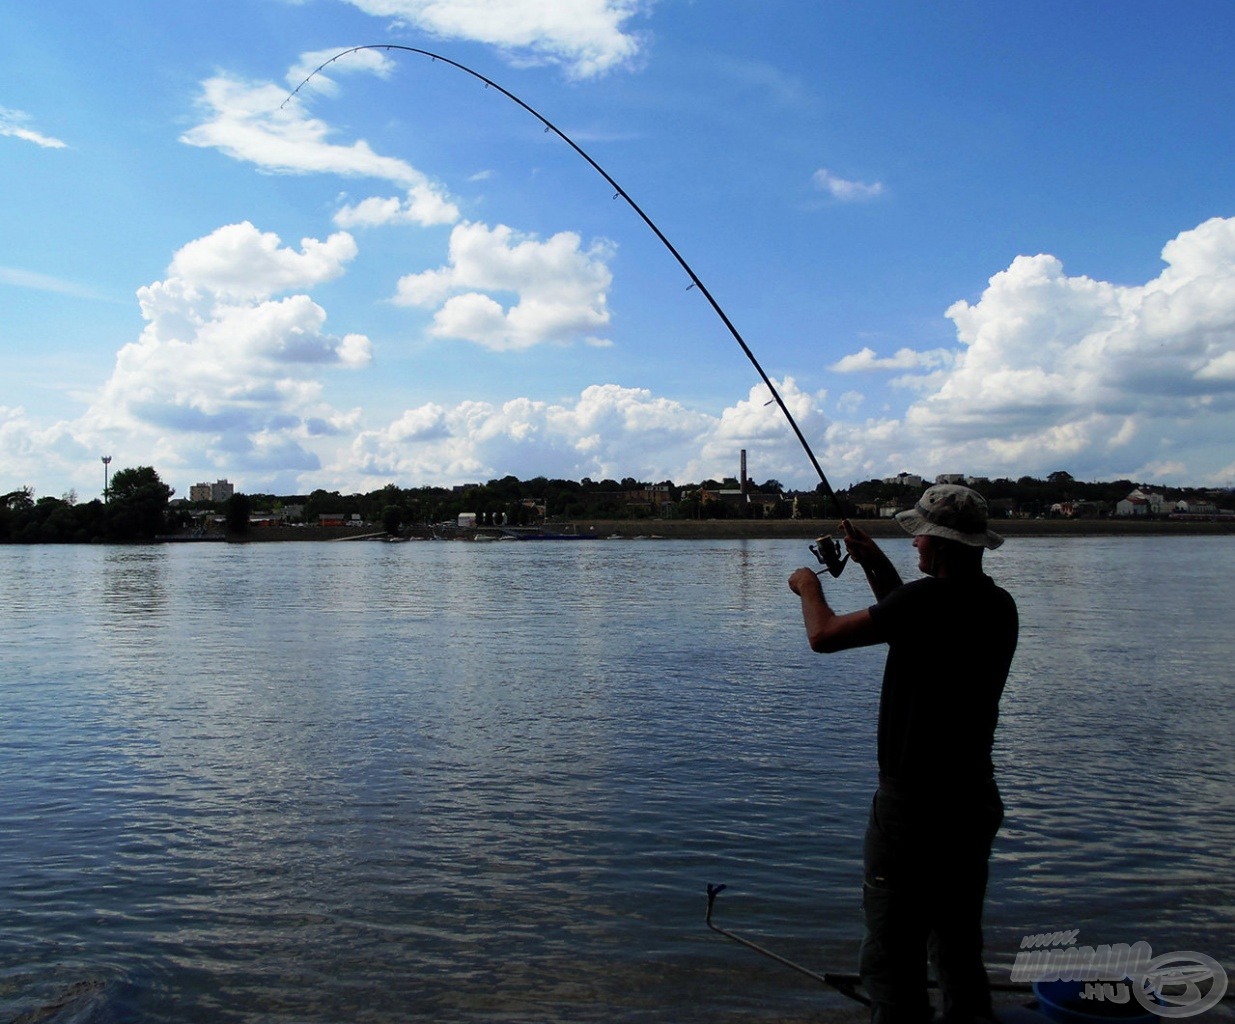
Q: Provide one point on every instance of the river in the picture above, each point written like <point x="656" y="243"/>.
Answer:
<point x="433" y="781"/>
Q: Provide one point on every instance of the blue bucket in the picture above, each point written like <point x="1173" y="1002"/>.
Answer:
<point x="1063" y="1001"/>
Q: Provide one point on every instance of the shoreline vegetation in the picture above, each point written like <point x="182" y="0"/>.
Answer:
<point x="770" y="529"/>
<point x="138" y="508"/>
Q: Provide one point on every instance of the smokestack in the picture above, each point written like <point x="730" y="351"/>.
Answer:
<point x="742" y="478"/>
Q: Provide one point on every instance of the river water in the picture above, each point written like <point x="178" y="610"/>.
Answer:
<point x="490" y="782"/>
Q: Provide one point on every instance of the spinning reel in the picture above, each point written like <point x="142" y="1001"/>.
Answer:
<point x="827" y="551"/>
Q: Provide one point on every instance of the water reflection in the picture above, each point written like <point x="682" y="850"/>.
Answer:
<point x="134" y="588"/>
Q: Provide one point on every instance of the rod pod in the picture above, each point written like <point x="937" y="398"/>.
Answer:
<point x="843" y="983"/>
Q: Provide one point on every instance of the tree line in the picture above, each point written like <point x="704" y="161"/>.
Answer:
<point x="1033" y="496"/>
<point x="135" y="508"/>
<point x="138" y="505"/>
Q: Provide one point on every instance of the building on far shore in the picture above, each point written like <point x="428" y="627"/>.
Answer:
<point x="217" y="492"/>
<point x="1140" y="503"/>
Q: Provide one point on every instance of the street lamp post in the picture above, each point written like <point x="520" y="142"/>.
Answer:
<point x="106" y="463"/>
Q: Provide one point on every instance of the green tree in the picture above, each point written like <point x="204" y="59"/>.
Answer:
<point x="18" y="500"/>
<point x="392" y="519"/>
<point x="137" y="504"/>
<point x="59" y="526"/>
<point x="14" y="510"/>
<point x="236" y="512"/>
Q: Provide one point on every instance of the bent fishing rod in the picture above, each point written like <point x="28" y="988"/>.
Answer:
<point x="621" y="193"/>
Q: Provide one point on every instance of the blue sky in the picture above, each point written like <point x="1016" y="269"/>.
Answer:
<point x="987" y="238"/>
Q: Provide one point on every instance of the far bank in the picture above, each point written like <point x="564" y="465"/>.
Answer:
<point x="733" y="529"/>
<point x="788" y="529"/>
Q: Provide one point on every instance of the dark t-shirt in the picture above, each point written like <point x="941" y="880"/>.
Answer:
<point x="950" y="644"/>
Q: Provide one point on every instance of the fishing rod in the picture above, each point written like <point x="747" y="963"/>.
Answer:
<point x="619" y="192"/>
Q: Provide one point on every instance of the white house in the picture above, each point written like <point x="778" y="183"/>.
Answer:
<point x="1138" y="503"/>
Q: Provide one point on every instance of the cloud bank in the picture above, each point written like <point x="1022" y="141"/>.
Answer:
<point x="1049" y="371"/>
<point x="1059" y="370"/>
<point x="608" y="431"/>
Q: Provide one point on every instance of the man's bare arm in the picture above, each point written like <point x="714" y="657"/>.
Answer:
<point x="825" y="630"/>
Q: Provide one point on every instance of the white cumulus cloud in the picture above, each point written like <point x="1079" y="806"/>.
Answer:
<point x="558" y="289"/>
<point x="424" y="206"/>
<point x="239" y="262"/>
<point x="226" y="363"/>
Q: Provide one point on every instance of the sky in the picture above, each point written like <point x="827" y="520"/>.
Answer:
<point x="995" y="239"/>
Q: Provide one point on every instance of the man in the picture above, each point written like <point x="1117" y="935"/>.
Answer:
<point x="950" y="637"/>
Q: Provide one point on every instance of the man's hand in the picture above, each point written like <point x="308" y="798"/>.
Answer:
<point x="860" y="545"/>
<point x="805" y="581"/>
<point x="880" y="573"/>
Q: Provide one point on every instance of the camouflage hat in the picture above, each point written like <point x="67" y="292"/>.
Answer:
<point x="952" y="512"/>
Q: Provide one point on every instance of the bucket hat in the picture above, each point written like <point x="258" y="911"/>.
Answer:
<point x="952" y="512"/>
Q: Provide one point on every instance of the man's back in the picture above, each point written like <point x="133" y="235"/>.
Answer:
<point x="950" y="644"/>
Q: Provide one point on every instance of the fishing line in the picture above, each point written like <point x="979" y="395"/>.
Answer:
<point x="619" y="193"/>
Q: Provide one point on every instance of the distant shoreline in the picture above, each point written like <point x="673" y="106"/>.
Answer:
<point x="753" y="529"/>
<point x="792" y="529"/>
